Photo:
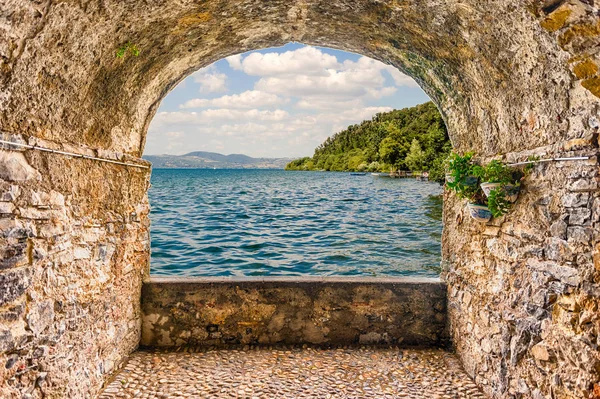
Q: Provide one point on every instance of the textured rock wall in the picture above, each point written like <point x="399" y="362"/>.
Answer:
<point x="334" y="311"/>
<point x="523" y="289"/>
<point x="73" y="234"/>
<point x="501" y="79"/>
<point x="509" y="76"/>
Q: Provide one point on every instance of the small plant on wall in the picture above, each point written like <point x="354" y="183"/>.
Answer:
<point x="460" y="177"/>
<point x="127" y="48"/>
<point x="499" y="186"/>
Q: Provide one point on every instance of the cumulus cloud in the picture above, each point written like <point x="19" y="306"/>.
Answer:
<point x="319" y="79"/>
<point x="320" y="103"/>
<point x="235" y="61"/>
<point x="341" y="87"/>
<point x="268" y="134"/>
<point x="369" y="64"/>
<point x="247" y="99"/>
<point x="221" y="114"/>
<point x="291" y="102"/>
<point x="306" y="60"/>
<point x="400" y="79"/>
<point x="210" y="80"/>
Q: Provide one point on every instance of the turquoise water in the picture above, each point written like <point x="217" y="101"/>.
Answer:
<point x="277" y="223"/>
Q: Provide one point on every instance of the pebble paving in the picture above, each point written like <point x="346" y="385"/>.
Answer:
<point x="293" y="373"/>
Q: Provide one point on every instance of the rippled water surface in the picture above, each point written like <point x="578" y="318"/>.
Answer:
<point x="272" y="222"/>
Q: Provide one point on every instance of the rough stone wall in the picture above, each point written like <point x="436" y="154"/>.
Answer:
<point x="73" y="234"/>
<point x="489" y="64"/>
<point x="523" y="289"/>
<point x="508" y="75"/>
<point x="334" y="311"/>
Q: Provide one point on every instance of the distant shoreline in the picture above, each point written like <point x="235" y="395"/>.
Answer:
<point x="210" y="160"/>
<point x="194" y="168"/>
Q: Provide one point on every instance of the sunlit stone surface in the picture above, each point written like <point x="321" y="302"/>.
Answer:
<point x="293" y="373"/>
<point x="513" y="78"/>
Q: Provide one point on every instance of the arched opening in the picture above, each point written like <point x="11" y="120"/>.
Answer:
<point x="224" y="215"/>
<point x="511" y="80"/>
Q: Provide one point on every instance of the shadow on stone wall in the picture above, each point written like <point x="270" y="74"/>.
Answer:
<point x="330" y="311"/>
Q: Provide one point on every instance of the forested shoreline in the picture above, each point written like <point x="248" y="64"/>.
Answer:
<point x="412" y="139"/>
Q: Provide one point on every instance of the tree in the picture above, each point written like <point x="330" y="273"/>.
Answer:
<point x="415" y="159"/>
<point x="389" y="151"/>
<point x="385" y="141"/>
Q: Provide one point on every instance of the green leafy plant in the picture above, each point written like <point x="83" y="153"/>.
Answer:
<point x="494" y="172"/>
<point x="461" y="177"/>
<point x="498" y="203"/>
<point x="128" y="48"/>
<point x="529" y="167"/>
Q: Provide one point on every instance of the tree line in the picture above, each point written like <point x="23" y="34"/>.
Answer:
<point x="412" y="139"/>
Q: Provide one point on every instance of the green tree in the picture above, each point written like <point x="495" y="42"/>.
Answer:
<point x="415" y="159"/>
<point x="389" y="151"/>
<point x="386" y="141"/>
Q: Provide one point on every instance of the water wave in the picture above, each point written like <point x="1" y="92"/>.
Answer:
<point x="271" y="222"/>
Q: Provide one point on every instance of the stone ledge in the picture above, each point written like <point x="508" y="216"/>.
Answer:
<point x="225" y="311"/>
<point x="293" y="280"/>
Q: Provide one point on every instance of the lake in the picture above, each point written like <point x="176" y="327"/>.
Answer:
<point x="276" y="223"/>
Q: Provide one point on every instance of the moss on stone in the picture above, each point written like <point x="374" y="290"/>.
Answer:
<point x="593" y="85"/>
<point x="193" y="19"/>
<point x="585" y="69"/>
<point x="556" y="20"/>
<point x="580" y="30"/>
<point x="189" y="20"/>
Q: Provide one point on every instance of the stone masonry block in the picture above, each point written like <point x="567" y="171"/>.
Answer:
<point x="14" y="283"/>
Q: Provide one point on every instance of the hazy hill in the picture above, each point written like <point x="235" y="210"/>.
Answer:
<point x="210" y="160"/>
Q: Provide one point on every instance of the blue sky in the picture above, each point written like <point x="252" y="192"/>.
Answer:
<point x="276" y="102"/>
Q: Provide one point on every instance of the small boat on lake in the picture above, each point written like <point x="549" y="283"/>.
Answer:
<point x="358" y="173"/>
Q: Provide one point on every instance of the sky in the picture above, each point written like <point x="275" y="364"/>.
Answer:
<point x="276" y="102"/>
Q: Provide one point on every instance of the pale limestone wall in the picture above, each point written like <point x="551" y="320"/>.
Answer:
<point x="501" y="79"/>
<point x="508" y="75"/>
<point x="293" y="311"/>
<point x="523" y="289"/>
<point x="73" y="237"/>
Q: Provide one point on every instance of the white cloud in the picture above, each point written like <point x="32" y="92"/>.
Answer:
<point x="338" y="89"/>
<point x="253" y="114"/>
<point x="215" y="115"/>
<point x="247" y="99"/>
<point x="210" y="80"/>
<point x="400" y="79"/>
<point x="318" y="79"/>
<point x="235" y="62"/>
<point x="316" y="102"/>
<point x="366" y="63"/>
<point x="241" y="130"/>
<point x="306" y="60"/>
<point x="326" y="96"/>
<point x="334" y="84"/>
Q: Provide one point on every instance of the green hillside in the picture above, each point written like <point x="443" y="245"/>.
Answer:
<point x="408" y="139"/>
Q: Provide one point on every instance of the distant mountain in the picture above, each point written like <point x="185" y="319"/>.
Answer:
<point x="210" y="160"/>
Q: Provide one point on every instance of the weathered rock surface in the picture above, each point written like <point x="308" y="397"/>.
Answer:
<point x="73" y="246"/>
<point x="512" y="78"/>
<point x="293" y="372"/>
<point x="523" y="303"/>
<point x="221" y="312"/>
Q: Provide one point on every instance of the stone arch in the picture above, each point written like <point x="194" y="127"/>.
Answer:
<point x="511" y="78"/>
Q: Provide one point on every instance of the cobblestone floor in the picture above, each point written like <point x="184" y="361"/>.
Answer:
<point x="293" y="373"/>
